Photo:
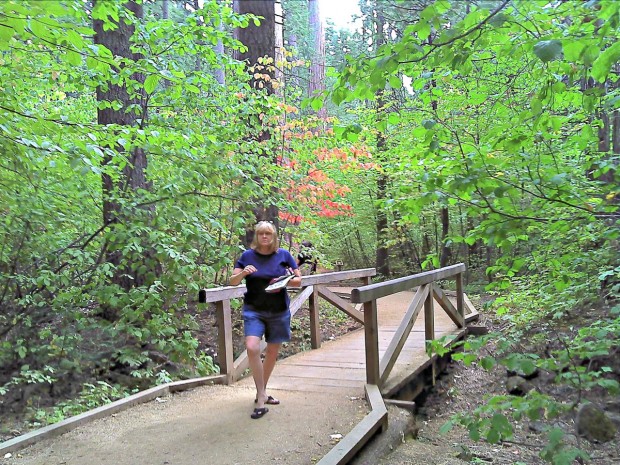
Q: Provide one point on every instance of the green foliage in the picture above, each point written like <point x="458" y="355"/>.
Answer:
<point x="490" y="115"/>
<point x="557" y="452"/>
<point x="494" y="126"/>
<point x="492" y="421"/>
<point x="181" y="230"/>
<point x="91" y="397"/>
<point x="573" y="361"/>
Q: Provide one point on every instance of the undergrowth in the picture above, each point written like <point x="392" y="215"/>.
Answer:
<point x="569" y="331"/>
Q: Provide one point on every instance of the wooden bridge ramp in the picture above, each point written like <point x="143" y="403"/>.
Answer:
<point x="339" y="366"/>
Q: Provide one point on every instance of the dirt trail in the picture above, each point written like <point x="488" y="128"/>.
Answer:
<point x="207" y="425"/>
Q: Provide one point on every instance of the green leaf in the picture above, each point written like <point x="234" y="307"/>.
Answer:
<point x="590" y="54"/>
<point x="150" y="84"/>
<point x="474" y="432"/>
<point x="428" y="123"/>
<point x="602" y="65"/>
<point x="468" y="359"/>
<point x="75" y="39"/>
<point x="498" y="20"/>
<point x="424" y="30"/>
<point x="355" y="128"/>
<point x="6" y="33"/>
<point x="548" y="50"/>
<point x="395" y="82"/>
<point x="316" y="104"/>
<point x="394" y="118"/>
<point x="39" y="30"/>
<point x="74" y="58"/>
<point x="446" y="427"/>
<point x="487" y="363"/>
<point x="192" y="88"/>
<point x="500" y="428"/>
<point x="573" y="50"/>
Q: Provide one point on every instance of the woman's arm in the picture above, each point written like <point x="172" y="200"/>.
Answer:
<point x="240" y="273"/>
<point x="296" y="281"/>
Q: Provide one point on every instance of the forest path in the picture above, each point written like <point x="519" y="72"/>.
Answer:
<point x="212" y="424"/>
<point x="207" y="425"/>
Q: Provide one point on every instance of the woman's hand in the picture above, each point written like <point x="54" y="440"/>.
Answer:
<point x="240" y="273"/>
<point x="249" y="270"/>
<point x="296" y="281"/>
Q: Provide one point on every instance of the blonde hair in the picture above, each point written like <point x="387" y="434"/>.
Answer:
<point x="264" y="226"/>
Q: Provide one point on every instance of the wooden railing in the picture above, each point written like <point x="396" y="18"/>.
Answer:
<point x="312" y="288"/>
<point x="378" y="370"/>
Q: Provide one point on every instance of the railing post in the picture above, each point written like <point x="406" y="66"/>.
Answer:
<point x="315" y="327"/>
<point x="429" y="325"/>
<point x="460" y="304"/>
<point x="371" y="337"/>
<point x="224" y="336"/>
<point x="429" y="315"/>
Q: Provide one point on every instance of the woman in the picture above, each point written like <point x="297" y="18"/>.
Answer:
<point x="264" y="313"/>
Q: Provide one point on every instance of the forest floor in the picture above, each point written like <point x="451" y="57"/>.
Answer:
<point x="461" y="389"/>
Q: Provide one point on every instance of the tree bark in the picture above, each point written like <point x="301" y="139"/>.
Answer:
<point x="260" y="41"/>
<point x="260" y="56"/>
<point x="317" y="66"/>
<point x="382" y="255"/>
<point x="133" y="174"/>
<point x="446" y="253"/>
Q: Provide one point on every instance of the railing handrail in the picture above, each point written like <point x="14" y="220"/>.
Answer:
<point x="376" y="291"/>
<point x="231" y="292"/>
<point x="312" y="287"/>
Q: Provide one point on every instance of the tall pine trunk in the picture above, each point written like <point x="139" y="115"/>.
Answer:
<point x="261" y="42"/>
<point x="121" y="181"/>
<point x="317" y="65"/>
<point x="382" y="254"/>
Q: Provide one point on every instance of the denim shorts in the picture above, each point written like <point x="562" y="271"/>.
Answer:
<point x="276" y="327"/>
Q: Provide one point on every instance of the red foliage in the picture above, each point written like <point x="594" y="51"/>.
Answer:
<point x="316" y="189"/>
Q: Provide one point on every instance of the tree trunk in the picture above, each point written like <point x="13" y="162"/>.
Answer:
<point x="382" y="256"/>
<point x="608" y="133"/>
<point x="365" y="259"/>
<point x="614" y="127"/>
<point x="426" y="241"/>
<point x="446" y="253"/>
<point x="317" y="66"/>
<point x="260" y="41"/>
<point x="220" y="77"/>
<point x="260" y="56"/>
<point x="117" y="189"/>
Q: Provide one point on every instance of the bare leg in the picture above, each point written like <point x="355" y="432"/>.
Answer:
<point x="252" y="345"/>
<point x="271" y="355"/>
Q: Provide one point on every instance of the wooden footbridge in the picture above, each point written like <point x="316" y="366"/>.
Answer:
<point x="382" y="362"/>
<point x="386" y="361"/>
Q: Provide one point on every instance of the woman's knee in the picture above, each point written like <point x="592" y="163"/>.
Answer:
<point x="252" y="345"/>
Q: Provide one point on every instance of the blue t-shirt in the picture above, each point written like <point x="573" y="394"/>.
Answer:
<point x="267" y="267"/>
